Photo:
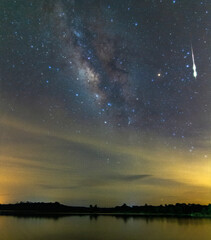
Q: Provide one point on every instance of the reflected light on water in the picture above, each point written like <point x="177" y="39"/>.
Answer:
<point x="104" y="228"/>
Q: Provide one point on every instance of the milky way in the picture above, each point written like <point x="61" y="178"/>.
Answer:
<point x="134" y="65"/>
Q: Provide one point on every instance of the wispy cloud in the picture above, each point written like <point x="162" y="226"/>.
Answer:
<point x="128" y="178"/>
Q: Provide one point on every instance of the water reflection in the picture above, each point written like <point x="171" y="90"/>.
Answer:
<point x="103" y="228"/>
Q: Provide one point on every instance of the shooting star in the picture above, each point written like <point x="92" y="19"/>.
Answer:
<point x="194" y="65"/>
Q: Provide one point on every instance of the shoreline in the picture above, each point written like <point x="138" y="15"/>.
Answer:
<point x="33" y="213"/>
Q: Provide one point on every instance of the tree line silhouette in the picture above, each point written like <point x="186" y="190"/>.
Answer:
<point x="179" y="209"/>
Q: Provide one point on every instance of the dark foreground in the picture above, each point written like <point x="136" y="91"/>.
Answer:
<point x="57" y="209"/>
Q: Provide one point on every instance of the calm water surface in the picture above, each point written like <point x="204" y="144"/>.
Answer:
<point x="104" y="228"/>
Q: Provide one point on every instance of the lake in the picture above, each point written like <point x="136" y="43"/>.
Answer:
<point x="104" y="228"/>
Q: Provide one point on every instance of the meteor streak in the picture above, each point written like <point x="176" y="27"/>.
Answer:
<point x="194" y="65"/>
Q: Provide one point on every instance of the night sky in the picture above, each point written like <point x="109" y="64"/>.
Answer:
<point x="105" y="102"/>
